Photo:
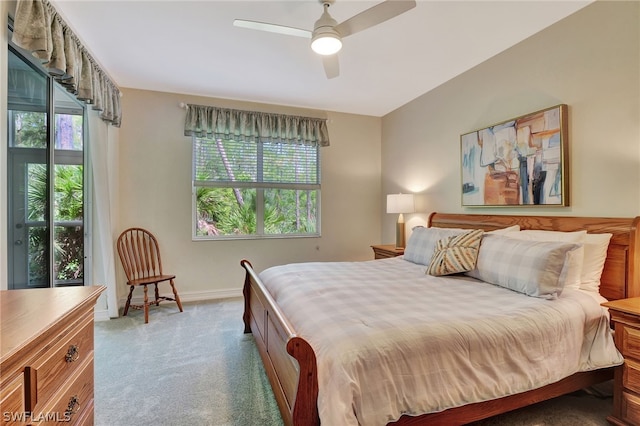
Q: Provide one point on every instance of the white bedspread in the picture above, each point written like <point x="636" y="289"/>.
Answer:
<point x="391" y="340"/>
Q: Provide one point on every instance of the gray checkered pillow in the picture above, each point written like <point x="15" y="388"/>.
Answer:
<point x="422" y="243"/>
<point x="530" y="267"/>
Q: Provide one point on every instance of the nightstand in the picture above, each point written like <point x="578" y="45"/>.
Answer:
<point x="384" y="251"/>
<point x="625" y="314"/>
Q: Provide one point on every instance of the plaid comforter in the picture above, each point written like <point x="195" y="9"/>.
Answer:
<point x="391" y="340"/>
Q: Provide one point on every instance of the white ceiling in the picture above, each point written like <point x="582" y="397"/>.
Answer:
<point x="192" y="47"/>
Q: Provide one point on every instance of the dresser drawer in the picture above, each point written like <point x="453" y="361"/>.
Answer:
<point x="69" y="405"/>
<point x="12" y="402"/>
<point x="630" y="408"/>
<point x="630" y="342"/>
<point x="631" y="375"/>
<point x="52" y="369"/>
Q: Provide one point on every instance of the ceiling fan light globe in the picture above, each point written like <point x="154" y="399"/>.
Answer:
<point x="326" y="44"/>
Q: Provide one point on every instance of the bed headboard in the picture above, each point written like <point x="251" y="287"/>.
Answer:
<point x="621" y="274"/>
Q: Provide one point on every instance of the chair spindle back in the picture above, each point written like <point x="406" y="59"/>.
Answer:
<point x="139" y="254"/>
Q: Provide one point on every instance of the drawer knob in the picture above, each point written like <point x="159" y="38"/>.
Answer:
<point x="72" y="354"/>
<point x="72" y="407"/>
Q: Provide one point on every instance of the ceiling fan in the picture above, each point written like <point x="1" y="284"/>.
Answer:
<point x="326" y="37"/>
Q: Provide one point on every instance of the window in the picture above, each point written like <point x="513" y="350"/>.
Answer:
<point x="255" y="189"/>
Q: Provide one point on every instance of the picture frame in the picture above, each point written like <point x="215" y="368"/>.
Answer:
<point x="518" y="162"/>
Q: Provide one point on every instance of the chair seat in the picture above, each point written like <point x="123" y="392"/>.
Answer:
<point x="151" y="280"/>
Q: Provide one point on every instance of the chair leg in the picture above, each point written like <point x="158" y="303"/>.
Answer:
<point x="157" y="295"/>
<point x="126" y="305"/>
<point x="175" y="295"/>
<point x="146" y="306"/>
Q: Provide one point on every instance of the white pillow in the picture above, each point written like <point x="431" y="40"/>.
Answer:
<point x="572" y="272"/>
<point x="514" y="228"/>
<point x="595" y="254"/>
<point x="540" y="235"/>
<point x="422" y="243"/>
<point x="530" y="267"/>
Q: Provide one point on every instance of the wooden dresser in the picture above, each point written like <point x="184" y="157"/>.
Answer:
<point x="46" y="358"/>
<point x="625" y="314"/>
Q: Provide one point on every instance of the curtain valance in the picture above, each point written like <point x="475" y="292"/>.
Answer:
<point x="223" y="123"/>
<point x="39" y="29"/>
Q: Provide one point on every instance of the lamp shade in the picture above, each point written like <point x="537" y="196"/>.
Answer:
<point x="400" y="203"/>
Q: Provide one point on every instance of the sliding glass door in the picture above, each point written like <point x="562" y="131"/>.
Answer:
<point x="46" y="175"/>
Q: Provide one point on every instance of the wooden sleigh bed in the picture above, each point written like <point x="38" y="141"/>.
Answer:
<point x="290" y="361"/>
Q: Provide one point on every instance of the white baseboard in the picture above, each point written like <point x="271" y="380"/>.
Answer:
<point x="193" y="296"/>
<point x="101" y="315"/>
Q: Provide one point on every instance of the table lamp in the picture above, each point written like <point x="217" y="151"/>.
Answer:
<point x="400" y="203"/>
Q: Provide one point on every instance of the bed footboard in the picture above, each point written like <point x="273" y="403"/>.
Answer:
<point x="288" y="359"/>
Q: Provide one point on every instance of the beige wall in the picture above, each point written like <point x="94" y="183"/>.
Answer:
<point x="589" y="61"/>
<point x="155" y="193"/>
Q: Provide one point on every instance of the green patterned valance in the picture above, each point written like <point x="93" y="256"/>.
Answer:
<point x="39" y="29"/>
<point x="232" y="124"/>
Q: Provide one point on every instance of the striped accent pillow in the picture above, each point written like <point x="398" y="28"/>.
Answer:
<point x="456" y="253"/>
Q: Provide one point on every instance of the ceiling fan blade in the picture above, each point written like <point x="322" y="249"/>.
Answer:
<point x="331" y="66"/>
<point x="273" y="28"/>
<point x="373" y="16"/>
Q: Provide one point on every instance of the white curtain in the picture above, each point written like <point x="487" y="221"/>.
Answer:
<point x="103" y="153"/>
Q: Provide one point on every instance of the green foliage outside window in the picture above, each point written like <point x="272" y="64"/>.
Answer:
<point x="68" y="240"/>
<point x="286" y="211"/>
<point x="30" y="132"/>
<point x="30" y="129"/>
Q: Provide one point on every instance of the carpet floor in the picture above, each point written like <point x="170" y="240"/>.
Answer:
<point x="198" y="368"/>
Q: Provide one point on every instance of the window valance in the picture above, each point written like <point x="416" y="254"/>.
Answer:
<point x="39" y="29"/>
<point x="250" y="126"/>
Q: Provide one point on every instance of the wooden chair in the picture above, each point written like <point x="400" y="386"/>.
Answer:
<point x="140" y="257"/>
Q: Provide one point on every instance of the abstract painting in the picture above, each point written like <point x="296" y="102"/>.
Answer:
<point x="519" y="162"/>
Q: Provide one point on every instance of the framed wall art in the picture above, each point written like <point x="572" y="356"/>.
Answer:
<point x="519" y="162"/>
